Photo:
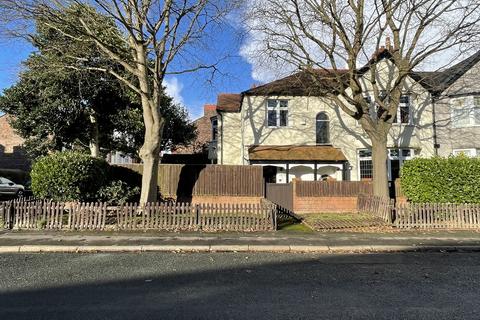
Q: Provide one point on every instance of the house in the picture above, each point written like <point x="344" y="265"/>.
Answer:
<point x="203" y="149"/>
<point x="289" y="127"/>
<point x="12" y="153"/>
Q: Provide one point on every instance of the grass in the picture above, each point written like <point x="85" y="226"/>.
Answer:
<point x="328" y="216"/>
<point x="296" y="227"/>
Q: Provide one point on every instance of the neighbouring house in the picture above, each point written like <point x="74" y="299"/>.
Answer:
<point x="290" y="128"/>
<point x="203" y="149"/>
<point x="12" y="153"/>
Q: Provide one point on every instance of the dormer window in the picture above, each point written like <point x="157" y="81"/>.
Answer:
<point x="277" y="113"/>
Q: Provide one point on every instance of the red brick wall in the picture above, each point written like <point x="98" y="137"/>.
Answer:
<point x="12" y="155"/>
<point x="204" y="131"/>
<point x="226" y="199"/>
<point x="325" y="204"/>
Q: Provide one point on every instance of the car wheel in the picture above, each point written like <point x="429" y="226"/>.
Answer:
<point x="20" y="194"/>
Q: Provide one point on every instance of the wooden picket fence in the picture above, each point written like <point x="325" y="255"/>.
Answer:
<point x="437" y="216"/>
<point x="152" y="216"/>
<point x="378" y="206"/>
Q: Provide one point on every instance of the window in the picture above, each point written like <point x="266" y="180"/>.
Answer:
<point x="214" y="121"/>
<point x="277" y="113"/>
<point x="365" y="164"/>
<point x="472" y="152"/>
<point x="466" y="112"/>
<point x="323" y="128"/>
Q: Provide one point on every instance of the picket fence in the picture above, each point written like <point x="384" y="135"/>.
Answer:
<point x="152" y="216"/>
<point x="437" y="216"/>
<point x="378" y="206"/>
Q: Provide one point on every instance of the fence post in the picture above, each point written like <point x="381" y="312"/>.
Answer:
<point x="197" y="216"/>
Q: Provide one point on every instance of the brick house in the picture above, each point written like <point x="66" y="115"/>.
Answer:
<point x="203" y="148"/>
<point x="12" y="154"/>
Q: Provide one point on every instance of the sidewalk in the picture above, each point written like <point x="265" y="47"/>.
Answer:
<point x="337" y="242"/>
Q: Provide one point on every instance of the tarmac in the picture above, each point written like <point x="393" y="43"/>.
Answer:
<point x="280" y="241"/>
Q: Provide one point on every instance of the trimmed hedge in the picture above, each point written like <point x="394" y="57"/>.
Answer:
<point x="442" y="180"/>
<point x="69" y="176"/>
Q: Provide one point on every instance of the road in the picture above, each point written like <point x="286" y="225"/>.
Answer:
<point x="240" y="286"/>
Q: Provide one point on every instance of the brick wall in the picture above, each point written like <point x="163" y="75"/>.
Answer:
<point x="304" y="205"/>
<point x="226" y="199"/>
<point x="12" y="154"/>
<point x="325" y="204"/>
<point x="204" y="132"/>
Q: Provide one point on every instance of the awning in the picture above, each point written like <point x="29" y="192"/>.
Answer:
<point x="296" y="153"/>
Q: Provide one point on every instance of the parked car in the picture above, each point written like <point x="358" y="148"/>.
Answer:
<point x="8" y="187"/>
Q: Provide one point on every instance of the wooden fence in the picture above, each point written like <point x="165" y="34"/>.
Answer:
<point x="378" y="206"/>
<point x="333" y="188"/>
<point x="177" y="181"/>
<point x="281" y="194"/>
<point x="437" y="216"/>
<point x="152" y="216"/>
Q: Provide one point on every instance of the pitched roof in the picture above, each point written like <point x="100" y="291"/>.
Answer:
<point x="296" y="153"/>
<point x="229" y="102"/>
<point x="313" y="82"/>
<point x="438" y="81"/>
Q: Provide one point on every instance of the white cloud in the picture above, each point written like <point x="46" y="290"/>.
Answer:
<point x="174" y="88"/>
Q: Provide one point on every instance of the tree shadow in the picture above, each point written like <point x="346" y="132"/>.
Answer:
<point x="244" y="286"/>
<point x="188" y="177"/>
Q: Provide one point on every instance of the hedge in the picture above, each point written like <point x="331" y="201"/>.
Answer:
<point x="455" y="179"/>
<point x="69" y="176"/>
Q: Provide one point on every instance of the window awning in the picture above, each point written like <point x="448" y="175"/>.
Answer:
<point x="296" y="153"/>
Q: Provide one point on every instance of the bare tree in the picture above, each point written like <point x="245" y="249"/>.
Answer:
<point x="159" y="38"/>
<point x="332" y="39"/>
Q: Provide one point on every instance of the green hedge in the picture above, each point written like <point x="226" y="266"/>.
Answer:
<point x="442" y="180"/>
<point x="69" y="176"/>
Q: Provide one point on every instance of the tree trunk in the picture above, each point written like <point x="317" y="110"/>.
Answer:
<point x="94" y="143"/>
<point x="379" y="162"/>
<point x="150" y="155"/>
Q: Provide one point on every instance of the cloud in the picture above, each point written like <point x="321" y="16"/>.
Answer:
<point x="174" y="88"/>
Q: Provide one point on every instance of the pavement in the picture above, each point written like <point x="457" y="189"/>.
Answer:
<point x="281" y="241"/>
<point x="242" y="285"/>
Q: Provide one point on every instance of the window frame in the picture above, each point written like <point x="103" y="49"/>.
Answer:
<point x="324" y="121"/>
<point x="398" y="118"/>
<point x="278" y="108"/>
<point x="214" y="133"/>
<point x="470" y="106"/>
<point x="457" y="152"/>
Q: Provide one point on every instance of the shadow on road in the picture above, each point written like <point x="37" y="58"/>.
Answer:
<point x="239" y="286"/>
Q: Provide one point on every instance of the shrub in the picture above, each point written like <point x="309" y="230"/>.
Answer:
<point x="68" y="176"/>
<point x="442" y="180"/>
<point x="118" y="192"/>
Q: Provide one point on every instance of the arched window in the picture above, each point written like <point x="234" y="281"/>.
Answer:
<point x="323" y="128"/>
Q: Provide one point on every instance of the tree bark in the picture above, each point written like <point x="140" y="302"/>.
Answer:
<point x="379" y="163"/>
<point x="150" y="152"/>
<point x="94" y="143"/>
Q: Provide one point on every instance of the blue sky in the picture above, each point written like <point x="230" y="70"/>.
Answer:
<point x="192" y="90"/>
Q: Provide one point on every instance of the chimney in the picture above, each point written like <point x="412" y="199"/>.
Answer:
<point x="209" y="109"/>
<point x="388" y="44"/>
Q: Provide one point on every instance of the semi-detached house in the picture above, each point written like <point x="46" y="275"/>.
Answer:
<point x="290" y="127"/>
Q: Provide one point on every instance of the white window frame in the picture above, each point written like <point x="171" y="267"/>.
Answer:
<point x="399" y="111"/>
<point x="278" y="108"/>
<point x="471" y="105"/>
<point x="359" y="159"/>
<point x="469" y="152"/>
<point x="402" y="158"/>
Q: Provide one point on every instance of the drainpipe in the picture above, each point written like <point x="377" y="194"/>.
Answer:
<point x="435" y="142"/>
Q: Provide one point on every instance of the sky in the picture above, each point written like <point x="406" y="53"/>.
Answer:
<point x="192" y="90"/>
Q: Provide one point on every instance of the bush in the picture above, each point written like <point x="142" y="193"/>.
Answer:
<point x="69" y="176"/>
<point x="442" y="180"/>
<point x="118" y="192"/>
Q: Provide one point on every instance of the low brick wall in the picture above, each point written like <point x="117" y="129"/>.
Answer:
<point x="225" y="199"/>
<point x="324" y="204"/>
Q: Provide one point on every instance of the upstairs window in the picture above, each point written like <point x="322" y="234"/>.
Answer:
<point x="214" y="121"/>
<point x="277" y="113"/>
<point x="465" y="112"/>
<point x="323" y="128"/>
<point x="403" y="113"/>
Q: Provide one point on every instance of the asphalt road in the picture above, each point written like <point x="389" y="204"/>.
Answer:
<point x="240" y="286"/>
